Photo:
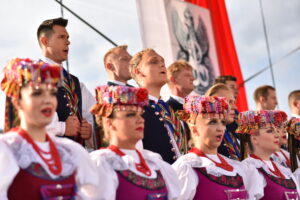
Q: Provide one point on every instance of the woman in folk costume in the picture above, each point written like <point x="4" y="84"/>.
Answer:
<point x="35" y="165"/>
<point x="129" y="173"/>
<point x="262" y="140"/>
<point x="203" y="173"/>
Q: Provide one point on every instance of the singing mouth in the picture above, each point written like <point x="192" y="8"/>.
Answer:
<point x="219" y="137"/>
<point x="47" y="112"/>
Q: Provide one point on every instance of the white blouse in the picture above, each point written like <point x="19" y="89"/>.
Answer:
<point x="189" y="179"/>
<point x="18" y="154"/>
<point x="266" y="166"/>
<point x="108" y="161"/>
<point x="280" y="159"/>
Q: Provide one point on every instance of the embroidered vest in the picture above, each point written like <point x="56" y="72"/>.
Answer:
<point x="215" y="188"/>
<point x="135" y="187"/>
<point x="34" y="183"/>
<point x="278" y="188"/>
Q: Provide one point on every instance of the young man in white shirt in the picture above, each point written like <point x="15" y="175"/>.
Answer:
<point x="73" y="119"/>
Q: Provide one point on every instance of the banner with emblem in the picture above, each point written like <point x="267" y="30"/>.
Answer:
<point x="180" y="30"/>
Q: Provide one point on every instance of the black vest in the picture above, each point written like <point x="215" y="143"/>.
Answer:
<point x="175" y="104"/>
<point x="156" y="136"/>
<point x="63" y="110"/>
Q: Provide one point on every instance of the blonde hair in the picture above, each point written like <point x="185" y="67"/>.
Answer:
<point x="113" y="51"/>
<point x="177" y="67"/>
<point x="135" y="61"/>
<point x="215" y="88"/>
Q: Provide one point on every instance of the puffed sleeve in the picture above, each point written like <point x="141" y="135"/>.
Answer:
<point x="297" y="175"/>
<point x="106" y="174"/>
<point x="254" y="183"/>
<point x="86" y="176"/>
<point x="253" y="180"/>
<point x="169" y="174"/>
<point x="187" y="177"/>
<point x="8" y="169"/>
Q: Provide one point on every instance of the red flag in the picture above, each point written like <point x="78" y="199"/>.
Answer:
<point x="227" y="57"/>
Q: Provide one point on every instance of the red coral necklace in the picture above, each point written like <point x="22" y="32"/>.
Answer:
<point x="276" y="171"/>
<point x="54" y="162"/>
<point x="141" y="167"/>
<point x="224" y="165"/>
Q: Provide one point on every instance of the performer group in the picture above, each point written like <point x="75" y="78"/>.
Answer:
<point x="126" y="143"/>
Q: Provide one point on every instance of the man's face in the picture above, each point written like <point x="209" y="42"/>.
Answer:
<point x="58" y="44"/>
<point x="232" y="85"/>
<point x="120" y="60"/>
<point x="184" y="81"/>
<point x="152" y="70"/>
<point x="270" y="102"/>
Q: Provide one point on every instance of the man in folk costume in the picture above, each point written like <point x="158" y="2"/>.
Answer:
<point x="73" y="119"/>
<point x="35" y="164"/>
<point x="164" y="133"/>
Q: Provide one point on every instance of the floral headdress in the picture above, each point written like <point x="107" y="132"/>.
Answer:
<point x="293" y="127"/>
<point x="254" y="120"/>
<point x="207" y="107"/>
<point x="118" y="97"/>
<point x="20" y="72"/>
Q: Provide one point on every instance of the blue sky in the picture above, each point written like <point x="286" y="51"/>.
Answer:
<point x="118" y="19"/>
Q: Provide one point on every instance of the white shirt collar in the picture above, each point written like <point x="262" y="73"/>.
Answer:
<point x="295" y="115"/>
<point x="117" y="82"/>
<point x="153" y="98"/>
<point x="48" y="60"/>
<point x="177" y="98"/>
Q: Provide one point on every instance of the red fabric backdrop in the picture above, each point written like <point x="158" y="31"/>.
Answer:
<point x="227" y="57"/>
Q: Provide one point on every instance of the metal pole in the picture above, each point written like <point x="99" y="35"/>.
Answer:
<point x="62" y="15"/>
<point x="85" y="22"/>
<point x="267" y="44"/>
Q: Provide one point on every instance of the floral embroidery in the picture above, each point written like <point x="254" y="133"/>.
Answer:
<point x="37" y="170"/>
<point x="230" y="181"/>
<point x="287" y="183"/>
<point x="146" y="183"/>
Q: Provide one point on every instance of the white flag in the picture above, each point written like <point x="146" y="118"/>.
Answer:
<point x="180" y="30"/>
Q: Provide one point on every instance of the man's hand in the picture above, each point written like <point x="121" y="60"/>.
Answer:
<point x="85" y="130"/>
<point x="72" y="126"/>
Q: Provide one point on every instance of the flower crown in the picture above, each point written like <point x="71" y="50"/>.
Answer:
<point x="20" y="72"/>
<point x="293" y="127"/>
<point x="110" y="97"/>
<point x="206" y="106"/>
<point x="254" y="120"/>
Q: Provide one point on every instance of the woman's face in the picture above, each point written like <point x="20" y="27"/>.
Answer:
<point x="267" y="139"/>
<point x="209" y="132"/>
<point x="36" y="106"/>
<point x="127" y="126"/>
<point x="152" y="70"/>
<point x="282" y="135"/>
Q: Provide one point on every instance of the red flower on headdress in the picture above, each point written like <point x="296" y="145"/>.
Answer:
<point x="142" y="95"/>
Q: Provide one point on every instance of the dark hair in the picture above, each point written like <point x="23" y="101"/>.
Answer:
<point x="223" y="79"/>
<point x="262" y="91"/>
<point x="46" y="27"/>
